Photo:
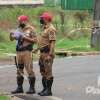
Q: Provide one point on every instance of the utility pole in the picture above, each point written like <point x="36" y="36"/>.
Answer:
<point x="95" y="37"/>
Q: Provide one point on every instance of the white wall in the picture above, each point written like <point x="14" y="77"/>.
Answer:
<point x="20" y="2"/>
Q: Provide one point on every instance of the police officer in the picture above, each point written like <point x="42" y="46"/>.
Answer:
<point x="46" y="42"/>
<point x="25" y="37"/>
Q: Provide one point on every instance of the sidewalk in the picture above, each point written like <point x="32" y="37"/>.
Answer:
<point x="32" y="97"/>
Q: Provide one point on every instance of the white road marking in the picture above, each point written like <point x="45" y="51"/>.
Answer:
<point x="9" y="66"/>
<point x="36" y="62"/>
<point x="6" y="66"/>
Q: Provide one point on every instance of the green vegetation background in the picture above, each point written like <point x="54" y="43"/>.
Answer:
<point x="64" y="21"/>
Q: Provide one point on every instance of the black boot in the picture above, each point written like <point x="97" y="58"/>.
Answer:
<point x="32" y="85"/>
<point x="19" y="89"/>
<point x="44" y="85"/>
<point x="48" y="91"/>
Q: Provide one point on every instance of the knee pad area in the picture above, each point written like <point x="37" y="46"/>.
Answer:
<point x="21" y="66"/>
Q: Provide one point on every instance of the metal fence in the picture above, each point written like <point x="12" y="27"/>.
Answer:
<point x="77" y="4"/>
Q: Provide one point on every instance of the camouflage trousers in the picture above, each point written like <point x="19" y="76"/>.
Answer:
<point x="45" y="64"/>
<point x="24" y="60"/>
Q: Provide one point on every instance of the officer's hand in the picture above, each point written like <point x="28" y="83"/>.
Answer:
<point x="12" y="37"/>
<point x="49" y="57"/>
<point x="52" y="55"/>
<point x="25" y="37"/>
<point x="34" y="50"/>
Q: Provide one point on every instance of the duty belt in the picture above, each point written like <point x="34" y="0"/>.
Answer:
<point x="29" y="48"/>
<point x="45" y="49"/>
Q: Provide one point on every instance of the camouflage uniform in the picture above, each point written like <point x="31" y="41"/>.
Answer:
<point x="45" y="60"/>
<point x="24" y="59"/>
<point x="24" y="53"/>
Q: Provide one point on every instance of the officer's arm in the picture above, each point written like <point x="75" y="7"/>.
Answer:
<point x="32" y="38"/>
<point x="52" y="46"/>
<point x="52" y="38"/>
<point x="12" y="37"/>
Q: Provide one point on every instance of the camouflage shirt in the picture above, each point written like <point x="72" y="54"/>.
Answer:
<point x="48" y="34"/>
<point x="28" y="31"/>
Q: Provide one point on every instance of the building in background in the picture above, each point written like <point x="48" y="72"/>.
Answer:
<point x="21" y="2"/>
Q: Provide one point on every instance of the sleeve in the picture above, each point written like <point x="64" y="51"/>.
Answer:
<point x="33" y="32"/>
<point x="52" y="35"/>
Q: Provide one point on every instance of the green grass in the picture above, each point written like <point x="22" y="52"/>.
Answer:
<point x="8" y="21"/>
<point x="81" y="44"/>
<point x="6" y="47"/>
<point x="4" y="97"/>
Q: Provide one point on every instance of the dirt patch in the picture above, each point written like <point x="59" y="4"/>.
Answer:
<point x="5" y="24"/>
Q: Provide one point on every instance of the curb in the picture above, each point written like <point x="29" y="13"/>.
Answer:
<point x="15" y="98"/>
<point x="33" y="97"/>
<point x="70" y="53"/>
<point x="61" y="53"/>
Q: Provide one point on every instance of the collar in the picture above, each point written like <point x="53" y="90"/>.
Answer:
<point x="47" y="25"/>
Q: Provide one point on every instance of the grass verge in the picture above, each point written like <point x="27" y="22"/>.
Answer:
<point x="3" y="97"/>
<point x="78" y="45"/>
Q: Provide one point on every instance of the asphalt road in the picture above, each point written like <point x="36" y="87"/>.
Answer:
<point x="75" y="78"/>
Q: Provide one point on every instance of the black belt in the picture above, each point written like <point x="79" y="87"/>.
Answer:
<point x="45" y="49"/>
<point x="27" y="48"/>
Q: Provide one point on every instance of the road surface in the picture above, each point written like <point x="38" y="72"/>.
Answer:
<point x="76" y="78"/>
